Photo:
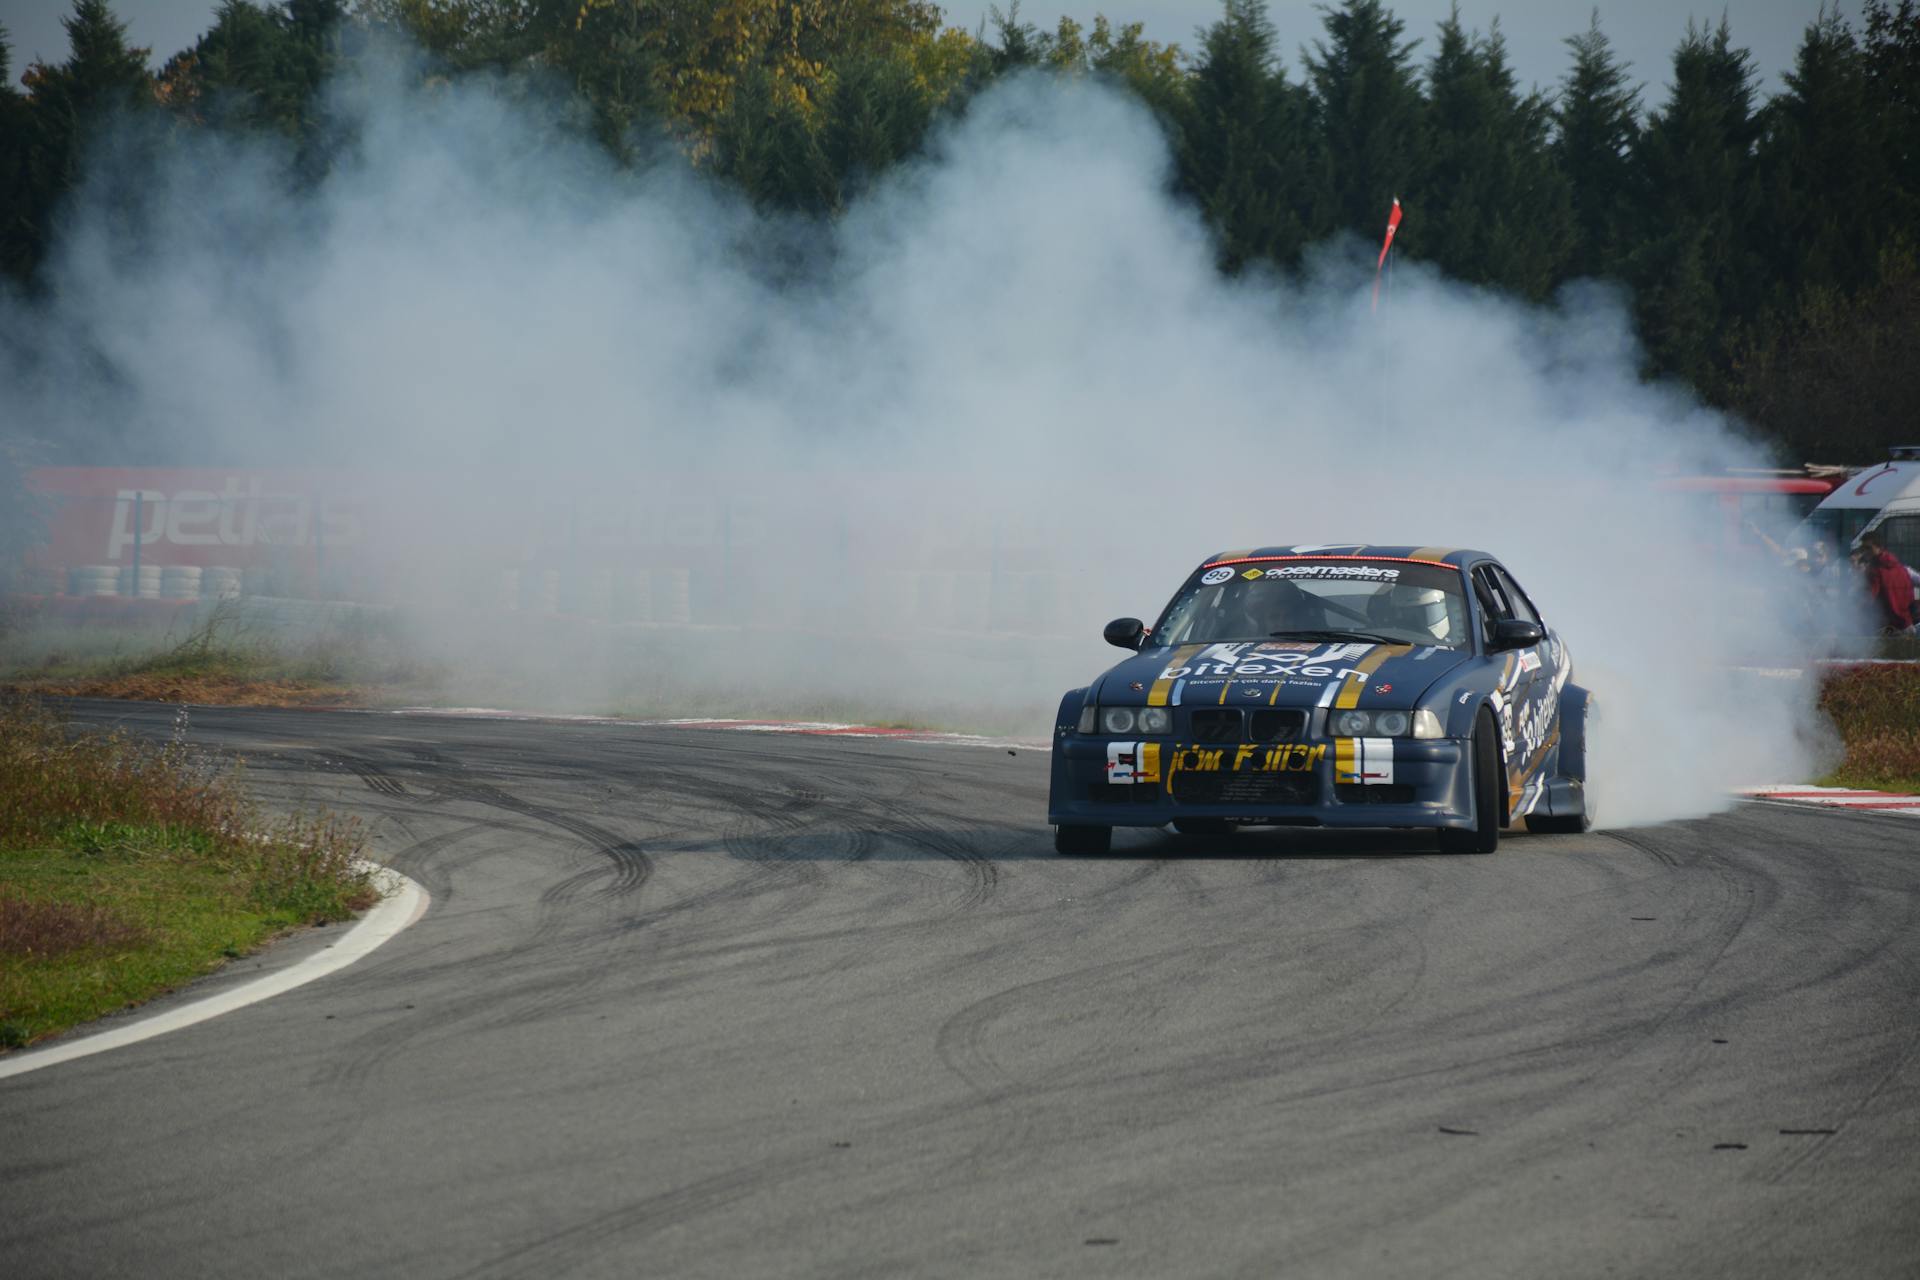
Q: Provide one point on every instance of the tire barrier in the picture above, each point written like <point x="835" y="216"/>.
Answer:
<point x="143" y="582"/>
<point x="95" y="580"/>
<point x="180" y="582"/>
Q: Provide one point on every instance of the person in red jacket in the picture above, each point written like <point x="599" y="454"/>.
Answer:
<point x="1888" y="585"/>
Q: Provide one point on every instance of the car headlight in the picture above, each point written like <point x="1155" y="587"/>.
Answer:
<point x="1384" y="724"/>
<point x="1118" y="720"/>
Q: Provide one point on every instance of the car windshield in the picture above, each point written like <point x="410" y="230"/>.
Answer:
<point x="1318" y="598"/>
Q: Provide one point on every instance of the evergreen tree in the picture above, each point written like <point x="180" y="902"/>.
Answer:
<point x="1824" y="194"/>
<point x="67" y="106"/>
<point x="18" y="240"/>
<point x="1890" y="47"/>
<point x="878" y="114"/>
<point x="1693" y="269"/>
<point x="1021" y="43"/>
<point x="1245" y="142"/>
<point x="611" y="57"/>
<point x="1371" y="115"/>
<point x="1497" y="210"/>
<point x="1149" y="68"/>
<point x="765" y="144"/>
<point x="1597" y="121"/>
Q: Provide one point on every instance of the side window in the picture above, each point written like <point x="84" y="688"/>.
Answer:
<point x="1516" y="598"/>
<point x="1492" y="606"/>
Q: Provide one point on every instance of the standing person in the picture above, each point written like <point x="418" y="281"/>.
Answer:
<point x="1888" y="585"/>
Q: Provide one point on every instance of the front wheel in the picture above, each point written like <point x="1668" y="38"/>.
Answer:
<point x="1082" y="841"/>
<point x="1484" y="835"/>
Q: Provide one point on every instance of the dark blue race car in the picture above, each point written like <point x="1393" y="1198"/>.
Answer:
<point x="1334" y="686"/>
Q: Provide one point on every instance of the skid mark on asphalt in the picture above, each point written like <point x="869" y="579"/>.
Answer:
<point x="678" y="1207"/>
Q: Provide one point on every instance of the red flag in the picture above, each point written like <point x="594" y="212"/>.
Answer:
<point x="1386" y="247"/>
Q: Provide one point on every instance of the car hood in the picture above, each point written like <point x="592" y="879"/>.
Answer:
<point x="1284" y="673"/>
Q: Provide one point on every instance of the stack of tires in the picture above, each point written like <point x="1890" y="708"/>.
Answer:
<point x="180" y="582"/>
<point x="95" y="580"/>
<point x="143" y="582"/>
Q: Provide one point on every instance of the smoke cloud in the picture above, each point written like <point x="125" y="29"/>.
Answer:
<point x="944" y="439"/>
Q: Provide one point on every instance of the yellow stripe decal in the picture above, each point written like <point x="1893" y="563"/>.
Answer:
<point x="1157" y="696"/>
<point x="1147" y="767"/>
<point x="1346" y="766"/>
<point x="1349" y="695"/>
<point x="1431" y="553"/>
<point x="1519" y="784"/>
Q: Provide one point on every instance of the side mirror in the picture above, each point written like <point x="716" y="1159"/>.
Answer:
<point x="1512" y="633"/>
<point x="1125" y="633"/>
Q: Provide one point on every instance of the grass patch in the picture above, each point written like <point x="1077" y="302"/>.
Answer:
<point x="128" y="868"/>
<point x="224" y="659"/>
<point x="1877" y="712"/>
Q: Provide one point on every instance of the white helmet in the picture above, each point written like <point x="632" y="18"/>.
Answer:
<point x="1422" y="609"/>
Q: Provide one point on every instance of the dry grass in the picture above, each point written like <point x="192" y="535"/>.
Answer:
<point x="225" y="659"/>
<point x="1877" y="712"/>
<point x="127" y="868"/>
<point x="29" y="928"/>
<point x="209" y="690"/>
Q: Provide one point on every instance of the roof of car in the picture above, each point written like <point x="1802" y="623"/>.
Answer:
<point x="1458" y="557"/>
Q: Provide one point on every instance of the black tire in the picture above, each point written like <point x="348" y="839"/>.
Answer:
<point x="1484" y="835"/>
<point x="1082" y="841"/>
<point x="1203" y="826"/>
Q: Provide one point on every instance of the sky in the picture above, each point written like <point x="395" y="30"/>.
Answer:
<point x="1644" y="32"/>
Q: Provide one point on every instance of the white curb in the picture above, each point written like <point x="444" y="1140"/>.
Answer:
<point x="404" y="903"/>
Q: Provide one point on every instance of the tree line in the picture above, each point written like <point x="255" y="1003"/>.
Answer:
<point x="1761" y="241"/>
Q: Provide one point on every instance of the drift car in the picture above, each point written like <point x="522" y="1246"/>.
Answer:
<point x="1332" y="686"/>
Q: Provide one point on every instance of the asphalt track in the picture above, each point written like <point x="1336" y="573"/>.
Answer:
<point x="698" y="1003"/>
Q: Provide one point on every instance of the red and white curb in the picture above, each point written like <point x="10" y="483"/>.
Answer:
<point x="1838" y="798"/>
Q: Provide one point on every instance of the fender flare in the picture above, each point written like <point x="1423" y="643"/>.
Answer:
<point x="1576" y="706"/>
<point x="1070" y="704"/>
<point x="1485" y="707"/>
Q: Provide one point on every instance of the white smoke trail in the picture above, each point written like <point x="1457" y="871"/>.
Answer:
<point x="1025" y="325"/>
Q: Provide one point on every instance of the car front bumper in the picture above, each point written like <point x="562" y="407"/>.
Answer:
<point x="1399" y="782"/>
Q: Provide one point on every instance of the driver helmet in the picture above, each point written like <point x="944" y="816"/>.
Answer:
<point x="1421" y="609"/>
<point x="1271" y="605"/>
